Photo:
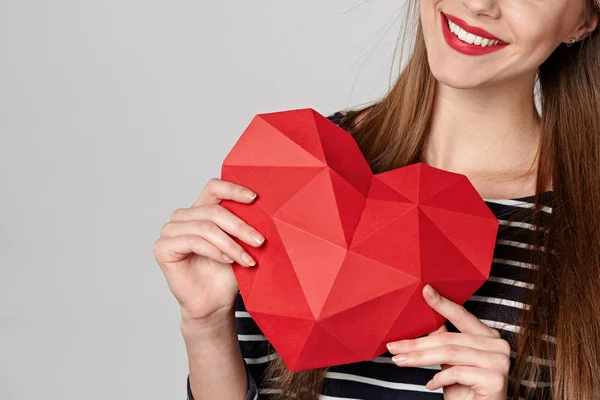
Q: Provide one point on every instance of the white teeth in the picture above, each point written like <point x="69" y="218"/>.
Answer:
<point x="469" y="37"/>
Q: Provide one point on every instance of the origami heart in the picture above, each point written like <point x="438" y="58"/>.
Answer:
<point x="347" y="253"/>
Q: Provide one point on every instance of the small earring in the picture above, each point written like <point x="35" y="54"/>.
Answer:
<point x="572" y="39"/>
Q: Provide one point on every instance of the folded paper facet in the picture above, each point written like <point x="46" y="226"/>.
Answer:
<point x="347" y="253"/>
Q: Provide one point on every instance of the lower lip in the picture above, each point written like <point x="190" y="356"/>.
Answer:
<point x="463" y="47"/>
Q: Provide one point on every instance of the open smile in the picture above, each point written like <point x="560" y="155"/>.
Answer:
<point x="468" y="39"/>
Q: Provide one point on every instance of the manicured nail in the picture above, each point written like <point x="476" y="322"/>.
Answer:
<point x="227" y="258"/>
<point x="400" y="358"/>
<point x="257" y="238"/>
<point x="247" y="259"/>
<point x="430" y="291"/>
<point x="392" y="346"/>
<point x="250" y="194"/>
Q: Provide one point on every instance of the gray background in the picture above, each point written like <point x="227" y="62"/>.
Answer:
<point x="112" y="114"/>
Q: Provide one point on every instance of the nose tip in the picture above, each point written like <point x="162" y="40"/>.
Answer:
<point x="483" y="8"/>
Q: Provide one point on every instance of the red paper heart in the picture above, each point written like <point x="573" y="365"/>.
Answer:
<point x="347" y="253"/>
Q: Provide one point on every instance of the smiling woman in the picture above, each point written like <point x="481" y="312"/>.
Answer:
<point x="465" y="102"/>
<point x="528" y="32"/>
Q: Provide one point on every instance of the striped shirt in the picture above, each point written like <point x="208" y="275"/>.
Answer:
<point x="498" y="303"/>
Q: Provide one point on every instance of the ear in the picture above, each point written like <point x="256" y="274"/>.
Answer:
<point x="586" y="28"/>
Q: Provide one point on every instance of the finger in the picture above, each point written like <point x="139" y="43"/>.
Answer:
<point x="441" y="329"/>
<point x="453" y="355"/>
<point x="463" y="320"/>
<point x="483" y="382"/>
<point x="210" y="232"/>
<point x="225" y="219"/>
<point x="218" y="189"/>
<point x="174" y="249"/>
<point x="478" y="342"/>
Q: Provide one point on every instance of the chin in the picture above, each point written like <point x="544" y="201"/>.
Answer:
<point x="453" y="75"/>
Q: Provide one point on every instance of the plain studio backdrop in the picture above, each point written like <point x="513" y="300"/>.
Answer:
<point x="113" y="113"/>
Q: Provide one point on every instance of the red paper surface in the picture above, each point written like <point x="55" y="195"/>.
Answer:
<point x="347" y="253"/>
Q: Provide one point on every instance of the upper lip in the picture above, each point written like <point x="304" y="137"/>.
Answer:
<point x="471" y="29"/>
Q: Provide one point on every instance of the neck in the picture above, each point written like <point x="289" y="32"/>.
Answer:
<point x="485" y="133"/>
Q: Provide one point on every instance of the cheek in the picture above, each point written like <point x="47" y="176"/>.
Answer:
<point x="429" y="10"/>
<point x="535" y="41"/>
<point x="538" y="31"/>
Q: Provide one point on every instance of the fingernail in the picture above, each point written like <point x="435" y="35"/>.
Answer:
<point x="390" y="347"/>
<point x="430" y="290"/>
<point x="247" y="259"/>
<point x="257" y="238"/>
<point x="250" y="194"/>
<point x="227" y="258"/>
<point x="400" y="358"/>
<point x="428" y="385"/>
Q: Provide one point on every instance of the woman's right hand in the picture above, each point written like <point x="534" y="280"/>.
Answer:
<point x="195" y="252"/>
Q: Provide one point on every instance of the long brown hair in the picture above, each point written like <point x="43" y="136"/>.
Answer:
<point x="565" y="299"/>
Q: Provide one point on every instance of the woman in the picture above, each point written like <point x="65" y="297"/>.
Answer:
<point x="464" y="103"/>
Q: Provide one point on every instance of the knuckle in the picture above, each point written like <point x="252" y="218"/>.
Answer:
<point x="177" y="214"/>
<point x="239" y="190"/>
<point x="452" y="351"/>
<point x="193" y="241"/>
<point x="456" y="371"/>
<point x="463" y="313"/>
<point x="241" y="226"/>
<point x="505" y="348"/>
<point x="204" y="226"/>
<point x="495" y="333"/>
<point x="498" y="381"/>
<point x="503" y="363"/>
<point x="447" y="338"/>
<point x="212" y="183"/>
<point x="409" y="345"/>
<point x="215" y="210"/>
<point x="157" y="248"/>
<point x="190" y="240"/>
<point x="234" y="249"/>
<point x="159" y="251"/>
<point x="166" y="228"/>
<point x="211" y="186"/>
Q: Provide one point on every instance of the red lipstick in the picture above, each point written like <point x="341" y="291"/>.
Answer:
<point x="466" y="48"/>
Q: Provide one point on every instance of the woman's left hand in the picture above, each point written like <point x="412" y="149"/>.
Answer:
<point x="475" y="362"/>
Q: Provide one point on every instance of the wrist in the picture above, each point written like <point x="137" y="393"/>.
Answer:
<point x="214" y="326"/>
